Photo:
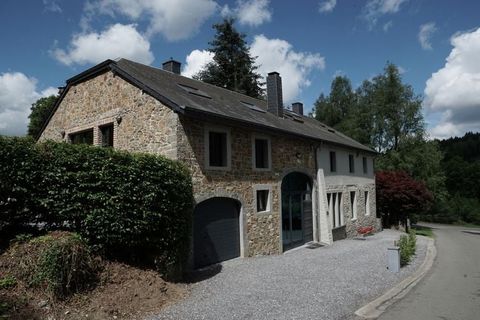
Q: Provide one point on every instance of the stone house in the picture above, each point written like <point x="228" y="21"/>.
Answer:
<point x="266" y="179"/>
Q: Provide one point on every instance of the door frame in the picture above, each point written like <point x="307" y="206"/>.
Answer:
<point x="313" y="191"/>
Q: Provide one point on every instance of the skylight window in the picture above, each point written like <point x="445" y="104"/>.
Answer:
<point x="194" y="91"/>
<point x="252" y="106"/>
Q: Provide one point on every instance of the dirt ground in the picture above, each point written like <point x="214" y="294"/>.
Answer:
<point x="124" y="292"/>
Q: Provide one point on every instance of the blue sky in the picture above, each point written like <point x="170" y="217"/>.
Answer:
<point x="44" y="42"/>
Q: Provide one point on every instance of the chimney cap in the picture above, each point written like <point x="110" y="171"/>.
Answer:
<point x="171" y="60"/>
<point x="273" y="73"/>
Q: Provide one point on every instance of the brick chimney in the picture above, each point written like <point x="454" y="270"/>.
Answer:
<point x="274" y="94"/>
<point x="172" y="66"/>
<point x="297" y="107"/>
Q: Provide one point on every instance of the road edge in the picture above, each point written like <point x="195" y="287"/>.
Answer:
<point x="375" y="308"/>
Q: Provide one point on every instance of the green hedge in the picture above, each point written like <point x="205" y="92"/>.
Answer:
<point x="124" y="204"/>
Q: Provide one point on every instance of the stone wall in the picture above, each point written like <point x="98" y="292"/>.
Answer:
<point x="261" y="230"/>
<point x="141" y="123"/>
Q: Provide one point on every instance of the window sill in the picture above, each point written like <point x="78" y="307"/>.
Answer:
<point x="264" y="213"/>
<point x="218" y="168"/>
<point x="354" y="219"/>
<point x="262" y="169"/>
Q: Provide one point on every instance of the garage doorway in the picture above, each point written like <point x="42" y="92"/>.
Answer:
<point x="297" y="219"/>
<point x="216" y="231"/>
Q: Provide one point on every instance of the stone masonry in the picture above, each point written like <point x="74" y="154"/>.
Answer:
<point x="143" y="124"/>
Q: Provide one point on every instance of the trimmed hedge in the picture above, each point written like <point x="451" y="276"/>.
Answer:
<point x="124" y="204"/>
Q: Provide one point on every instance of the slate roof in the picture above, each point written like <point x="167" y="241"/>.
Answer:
<point x="193" y="97"/>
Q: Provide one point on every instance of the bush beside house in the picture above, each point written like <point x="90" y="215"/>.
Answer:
<point x="133" y="206"/>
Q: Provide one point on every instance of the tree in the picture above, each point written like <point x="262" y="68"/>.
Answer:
<point x="232" y="68"/>
<point x="395" y="110"/>
<point x="40" y="111"/>
<point x="399" y="196"/>
<point x="336" y="109"/>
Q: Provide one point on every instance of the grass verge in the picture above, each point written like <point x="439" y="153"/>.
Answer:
<point x="423" y="231"/>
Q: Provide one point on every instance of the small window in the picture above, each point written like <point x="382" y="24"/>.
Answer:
<point x="367" y="204"/>
<point x="263" y="199"/>
<point x="351" y="163"/>
<point x="107" y="135"/>
<point x="84" y="137"/>
<point x="353" y="204"/>
<point x="218" y="149"/>
<point x="261" y="153"/>
<point x="333" y="161"/>
<point x="365" y="165"/>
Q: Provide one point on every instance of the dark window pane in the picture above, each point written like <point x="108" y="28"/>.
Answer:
<point x="107" y="135"/>
<point x="365" y="167"/>
<point x="333" y="162"/>
<point x="218" y="149"/>
<point x="85" y="137"/>
<point x="261" y="153"/>
<point x="262" y="200"/>
<point x="351" y="163"/>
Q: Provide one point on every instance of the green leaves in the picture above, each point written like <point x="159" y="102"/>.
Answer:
<point x="118" y="201"/>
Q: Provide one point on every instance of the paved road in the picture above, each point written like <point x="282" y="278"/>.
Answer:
<point x="451" y="290"/>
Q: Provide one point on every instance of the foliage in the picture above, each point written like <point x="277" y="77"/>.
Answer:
<point x="423" y="231"/>
<point x="407" y="244"/>
<point x="335" y="109"/>
<point x="8" y="282"/>
<point x="133" y="206"/>
<point x="382" y="113"/>
<point x="59" y="262"/>
<point x="39" y="114"/>
<point x="232" y="68"/>
<point x="399" y="196"/>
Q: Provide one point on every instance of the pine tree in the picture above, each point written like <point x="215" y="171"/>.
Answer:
<point x="232" y="68"/>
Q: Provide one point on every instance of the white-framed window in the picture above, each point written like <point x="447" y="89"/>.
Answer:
<point x="353" y="204"/>
<point x="335" y="209"/>
<point x="367" y="203"/>
<point x="261" y="153"/>
<point x="262" y="195"/>
<point x="218" y="149"/>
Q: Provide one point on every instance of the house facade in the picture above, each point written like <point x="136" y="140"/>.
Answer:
<point x="265" y="179"/>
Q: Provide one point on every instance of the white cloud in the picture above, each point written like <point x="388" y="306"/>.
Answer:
<point x="454" y="90"/>
<point x="327" y="5"/>
<point x="116" y="41"/>
<point x="17" y="93"/>
<point x="425" y="33"/>
<point x="375" y="9"/>
<point x="196" y="60"/>
<point x="52" y="6"/>
<point x="249" y="12"/>
<point x="387" y="26"/>
<point x="294" y="67"/>
<point x="272" y="55"/>
<point x="174" y="19"/>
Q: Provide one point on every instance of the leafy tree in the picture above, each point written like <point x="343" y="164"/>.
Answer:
<point x="40" y="111"/>
<point x="395" y="110"/>
<point x="232" y="68"/>
<point x="399" y="196"/>
<point x="335" y="109"/>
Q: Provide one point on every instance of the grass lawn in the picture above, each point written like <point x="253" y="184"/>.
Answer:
<point x="423" y="231"/>
<point x="468" y="225"/>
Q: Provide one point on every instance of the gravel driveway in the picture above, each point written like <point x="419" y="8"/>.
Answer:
<point x="324" y="283"/>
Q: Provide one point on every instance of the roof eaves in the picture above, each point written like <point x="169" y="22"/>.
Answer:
<point x="196" y="113"/>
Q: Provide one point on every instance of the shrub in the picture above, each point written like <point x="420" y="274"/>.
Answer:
<point x="125" y="205"/>
<point x="8" y="282"/>
<point x="60" y="262"/>
<point x="407" y="244"/>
